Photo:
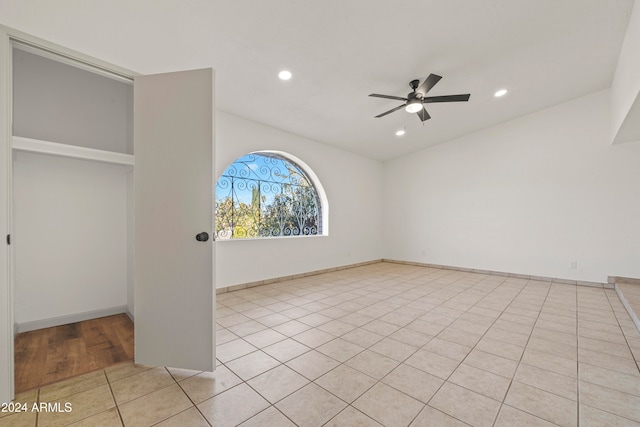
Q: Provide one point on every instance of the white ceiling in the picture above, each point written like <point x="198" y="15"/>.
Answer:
<point x="544" y="51"/>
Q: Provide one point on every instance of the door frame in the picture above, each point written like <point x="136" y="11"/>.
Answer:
<point x="9" y="36"/>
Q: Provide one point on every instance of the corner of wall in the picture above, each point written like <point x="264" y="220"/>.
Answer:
<point x="625" y="88"/>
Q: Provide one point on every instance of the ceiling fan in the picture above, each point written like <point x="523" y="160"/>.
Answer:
<point x="415" y="100"/>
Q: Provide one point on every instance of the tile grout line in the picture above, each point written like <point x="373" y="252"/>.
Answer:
<point x="596" y="351"/>
<point x="506" y="393"/>
<point x="84" y="391"/>
<point x="418" y="349"/>
<point x="530" y="334"/>
<point x="246" y="382"/>
<point x="472" y="348"/>
<point x="554" y="355"/>
<point x="188" y="397"/>
<point x="422" y="347"/>
<point x="462" y="361"/>
<point x="377" y="381"/>
<point x="459" y="289"/>
<point x="145" y="394"/>
<point x="113" y="396"/>
<point x="38" y="400"/>
<point x="349" y="405"/>
<point x="617" y="415"/>
<point x="443" y="286"/>
<point x="397" y="325"/>
<point x="271" y="405"/>
<point x="577" y="358"/>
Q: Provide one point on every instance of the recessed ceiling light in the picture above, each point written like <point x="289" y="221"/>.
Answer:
<point x="284" y="75"/>
<point x="400" y="132"/>
<point x="501" y="92"/>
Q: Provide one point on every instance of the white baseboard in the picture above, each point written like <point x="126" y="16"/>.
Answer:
<point x="71" y="318"/>
<point x="627" y="306"/>
<point x="238" y="287"/>
<point x="506" y="274"/>
<point x="129" y="313"/>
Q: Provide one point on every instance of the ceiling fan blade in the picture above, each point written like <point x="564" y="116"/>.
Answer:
<point x="377" y="95"/>
<point x="446" y="98"/>
<point x="423" y="115"/>
<point x="428" y="83"/>
<point x="391" y="111"/>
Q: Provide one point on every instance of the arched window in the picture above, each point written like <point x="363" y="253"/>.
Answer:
<point x="266" y="194"/>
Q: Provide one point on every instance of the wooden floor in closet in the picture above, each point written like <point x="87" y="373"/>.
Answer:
<point x="49" y="355"/>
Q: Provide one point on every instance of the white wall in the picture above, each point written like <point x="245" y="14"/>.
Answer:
<point x="528" y="196"/>
<point x="71" y="215"/>
<point x="625" y="88"/>
<point x="70" y="236"/>
<point x="60" y="103"/>
<point x="352" y="184"/>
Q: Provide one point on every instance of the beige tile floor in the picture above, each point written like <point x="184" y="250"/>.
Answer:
<point x="385" y="344"/>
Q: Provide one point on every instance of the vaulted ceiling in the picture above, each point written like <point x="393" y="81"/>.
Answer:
<point x="543" y="51"/>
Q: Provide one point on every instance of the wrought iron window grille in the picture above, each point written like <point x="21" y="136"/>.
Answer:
<point x="266" y="195"/>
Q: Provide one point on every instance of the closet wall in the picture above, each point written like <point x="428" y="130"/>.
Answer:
<point x="72" y="217"/>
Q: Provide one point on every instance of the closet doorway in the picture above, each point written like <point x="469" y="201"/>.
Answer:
<point x="72" y="217"/>
<point x="72" y="189"/>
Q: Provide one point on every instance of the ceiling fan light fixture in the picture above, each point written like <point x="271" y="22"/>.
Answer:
<point x="414" y="100"/>
<point x="400" y="132"/>
<point x="413" y="106"/>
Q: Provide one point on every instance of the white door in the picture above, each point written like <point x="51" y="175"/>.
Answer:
<point x="174" y="293"/>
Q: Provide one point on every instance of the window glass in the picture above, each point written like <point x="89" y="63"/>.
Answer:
<point x="266" y="195"/>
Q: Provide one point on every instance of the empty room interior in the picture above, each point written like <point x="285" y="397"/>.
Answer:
<point x="295" y="213"/>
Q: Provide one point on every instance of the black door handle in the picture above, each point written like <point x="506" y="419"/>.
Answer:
<point x="202" y="237"/>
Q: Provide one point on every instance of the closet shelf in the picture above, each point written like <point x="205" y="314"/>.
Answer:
<point x="46" y="147"/>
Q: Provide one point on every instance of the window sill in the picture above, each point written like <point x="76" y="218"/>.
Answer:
<point x="253" y="239"/>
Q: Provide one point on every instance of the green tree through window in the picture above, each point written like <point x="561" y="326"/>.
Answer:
<point x="265" y="195"/>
